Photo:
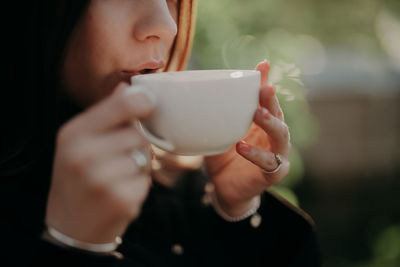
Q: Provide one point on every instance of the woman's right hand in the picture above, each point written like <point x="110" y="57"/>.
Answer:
<point x="97" y="189"/>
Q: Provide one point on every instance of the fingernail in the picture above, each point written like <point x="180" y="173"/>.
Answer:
<point x="268" y="65"/>
<point x="137" y="90"/>
<point x="244" y="146"/>
<point x="265" y="113"/>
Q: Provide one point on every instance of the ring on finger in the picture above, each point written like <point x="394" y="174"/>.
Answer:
<point x="141" y="160"/>
<point x="279" y="161"/>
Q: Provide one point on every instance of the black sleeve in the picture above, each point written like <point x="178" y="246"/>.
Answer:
<point x="23" y="199"/>
<point x="309" y="254"/>
<point x="177" y="229"/>
<point x="285" y="237"/>
<point x="23" y="248"/>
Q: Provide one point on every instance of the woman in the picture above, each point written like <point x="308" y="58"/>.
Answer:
<point x="72" y="188"/>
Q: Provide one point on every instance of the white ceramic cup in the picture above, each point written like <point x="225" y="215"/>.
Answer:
<point x="201" y="112"/>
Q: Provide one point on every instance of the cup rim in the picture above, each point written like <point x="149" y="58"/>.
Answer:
<point x="198" y="75"/>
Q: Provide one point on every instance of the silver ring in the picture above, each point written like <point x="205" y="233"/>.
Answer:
<point x="141" y="160"/>
<point x="279" y="161"/>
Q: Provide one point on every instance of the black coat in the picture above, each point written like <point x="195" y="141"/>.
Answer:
<point x="175" y="228"/>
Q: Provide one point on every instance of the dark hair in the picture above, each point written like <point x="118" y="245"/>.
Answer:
<point x="34" y="107"/>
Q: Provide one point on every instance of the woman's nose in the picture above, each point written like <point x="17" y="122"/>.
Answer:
<point x="156" y="22"/>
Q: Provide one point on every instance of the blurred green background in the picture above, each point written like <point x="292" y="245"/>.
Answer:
<point x="336" y="67"/>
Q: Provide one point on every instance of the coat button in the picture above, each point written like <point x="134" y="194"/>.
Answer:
<point x="255" y="220"/>
<point x="177" y="249"/>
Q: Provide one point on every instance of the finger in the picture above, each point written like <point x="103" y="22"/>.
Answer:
<point x="113" y="111"/>
<point x="276" y="129"/>
<point x="119" y="168"/>
<point x="264" y="68"/>
<point x="109" y="145"/>
<point x="269" y="100"/>
<point x="121" y="141"/>
<point x="268" y="97"/>
<point x="266" y="160"/>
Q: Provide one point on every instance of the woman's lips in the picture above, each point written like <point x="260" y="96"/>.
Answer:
<point x="142" y="72"/>
<point x="146" y="68"/>
<point x="127" y="74"/>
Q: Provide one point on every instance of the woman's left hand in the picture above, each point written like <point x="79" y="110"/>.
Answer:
<point x="238" y="174"/>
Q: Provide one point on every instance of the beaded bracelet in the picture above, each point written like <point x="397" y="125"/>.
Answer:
<point x="217" y="207"/>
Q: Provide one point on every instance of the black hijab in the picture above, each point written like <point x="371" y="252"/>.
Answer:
<point x="33" y="107"/>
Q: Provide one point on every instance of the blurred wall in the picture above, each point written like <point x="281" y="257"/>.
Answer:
<point x="358" y="114"/>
